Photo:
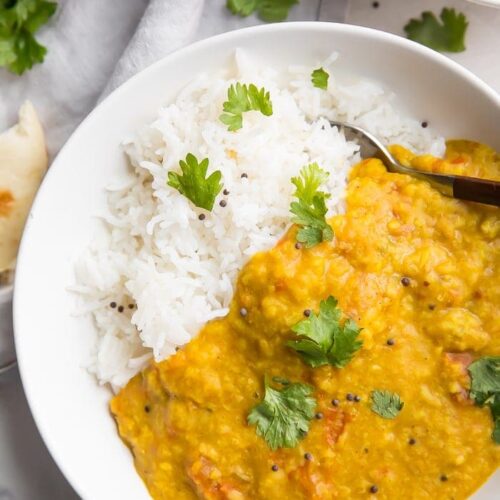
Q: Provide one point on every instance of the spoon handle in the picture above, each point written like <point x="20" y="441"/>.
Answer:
<point x="480" y="190"/>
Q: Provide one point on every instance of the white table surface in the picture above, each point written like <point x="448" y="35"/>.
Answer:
<point x="27" y="471"/>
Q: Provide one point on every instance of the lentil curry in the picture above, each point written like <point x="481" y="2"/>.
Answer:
<point x="420" y="273"/>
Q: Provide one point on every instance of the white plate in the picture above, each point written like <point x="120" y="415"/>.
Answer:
<point x="70" y="409"/>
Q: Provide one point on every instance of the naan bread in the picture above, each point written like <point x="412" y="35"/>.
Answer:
<point x="23" y="162"/>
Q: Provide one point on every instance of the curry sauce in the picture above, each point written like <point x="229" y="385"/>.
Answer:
<point x="420" y="273"/>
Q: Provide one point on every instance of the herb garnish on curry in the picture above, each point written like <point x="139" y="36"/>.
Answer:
<point x="367" y="364"/>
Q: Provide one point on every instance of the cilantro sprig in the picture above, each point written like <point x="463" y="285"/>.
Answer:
<point x="310" y="209"/>
<point x="485" y="388"/>
<point x="283" y="417"/>
<point x="319" y="78"/>
<point x="323" y="340"/>
<point x="242" y="98"/>
<point x="386" y="404"/>
<point x="268" y="10"/>
<point x="194" y="184"/>
<point x="19" y="21"/>
<point x="445" y="36"/>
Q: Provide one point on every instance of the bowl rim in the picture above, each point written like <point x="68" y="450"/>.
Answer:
<point x="185" y="52"/>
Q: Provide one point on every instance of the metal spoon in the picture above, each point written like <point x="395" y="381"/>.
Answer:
<point x="454" y="186"/>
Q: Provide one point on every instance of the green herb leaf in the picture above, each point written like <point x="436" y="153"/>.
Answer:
<point x="268" y="10"/>
<point x="322" y="338"/>
<point x="282" y="418"/>
<point x="345" y="344"/>
<point x="242" y="98"/>
<point x="273" y="11"/>
<point x="307" y="184"/>
<point x="485" y="388"/>
<point x="319" y="78"/>
<point x="242" y="7"/>
<point x="194" y="184"/>
<point x="386" y="404"/>
<point x="447" y="36"/>
<point x="19" y="20"/>
<point x="310" y="209"/>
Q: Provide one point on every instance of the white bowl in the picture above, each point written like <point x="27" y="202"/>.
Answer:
<point x="69" y="408"/>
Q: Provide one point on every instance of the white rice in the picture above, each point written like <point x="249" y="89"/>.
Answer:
<point x="179" y="271"/>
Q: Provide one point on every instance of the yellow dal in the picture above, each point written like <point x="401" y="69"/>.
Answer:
<point x="185" y="418"/>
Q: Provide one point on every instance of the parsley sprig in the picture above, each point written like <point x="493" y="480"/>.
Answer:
<point x="242" y="98"/>
<point x="310" y="209"/>
<point x="485" y="388"/>
<point x="319" y="78"/>
<point x="283" y="417"/>
<point x="323" y="340"/>
<point x="445" y="36"/>
<point x="268" y="10"/>
<point x="194" y="184"/>
<point x="19" y="21"/>
<point x="386" y="404"/>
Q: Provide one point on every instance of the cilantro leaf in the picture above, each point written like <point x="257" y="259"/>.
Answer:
<point x="194" y="184"/>
<point x="447" y="36"/>
<point x="242" y="98"/>
<point x="268" y="10"/>
<point x="386" y="404"/>
<point x="7" y="54"/>
<point x="242" y="7"/>
<point x="323" y="340"/>
<point x="345" y="344"/>
<point x="19" y="20"/>
<point x="485" y="377"/>
<point x="310" y="209"/>
<point x="319" y="78"/>
<point x="273" y="11"/>
<point x="282" y="418"/>
<point x="485" y="388"/>
<point x="311" y="178"/>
